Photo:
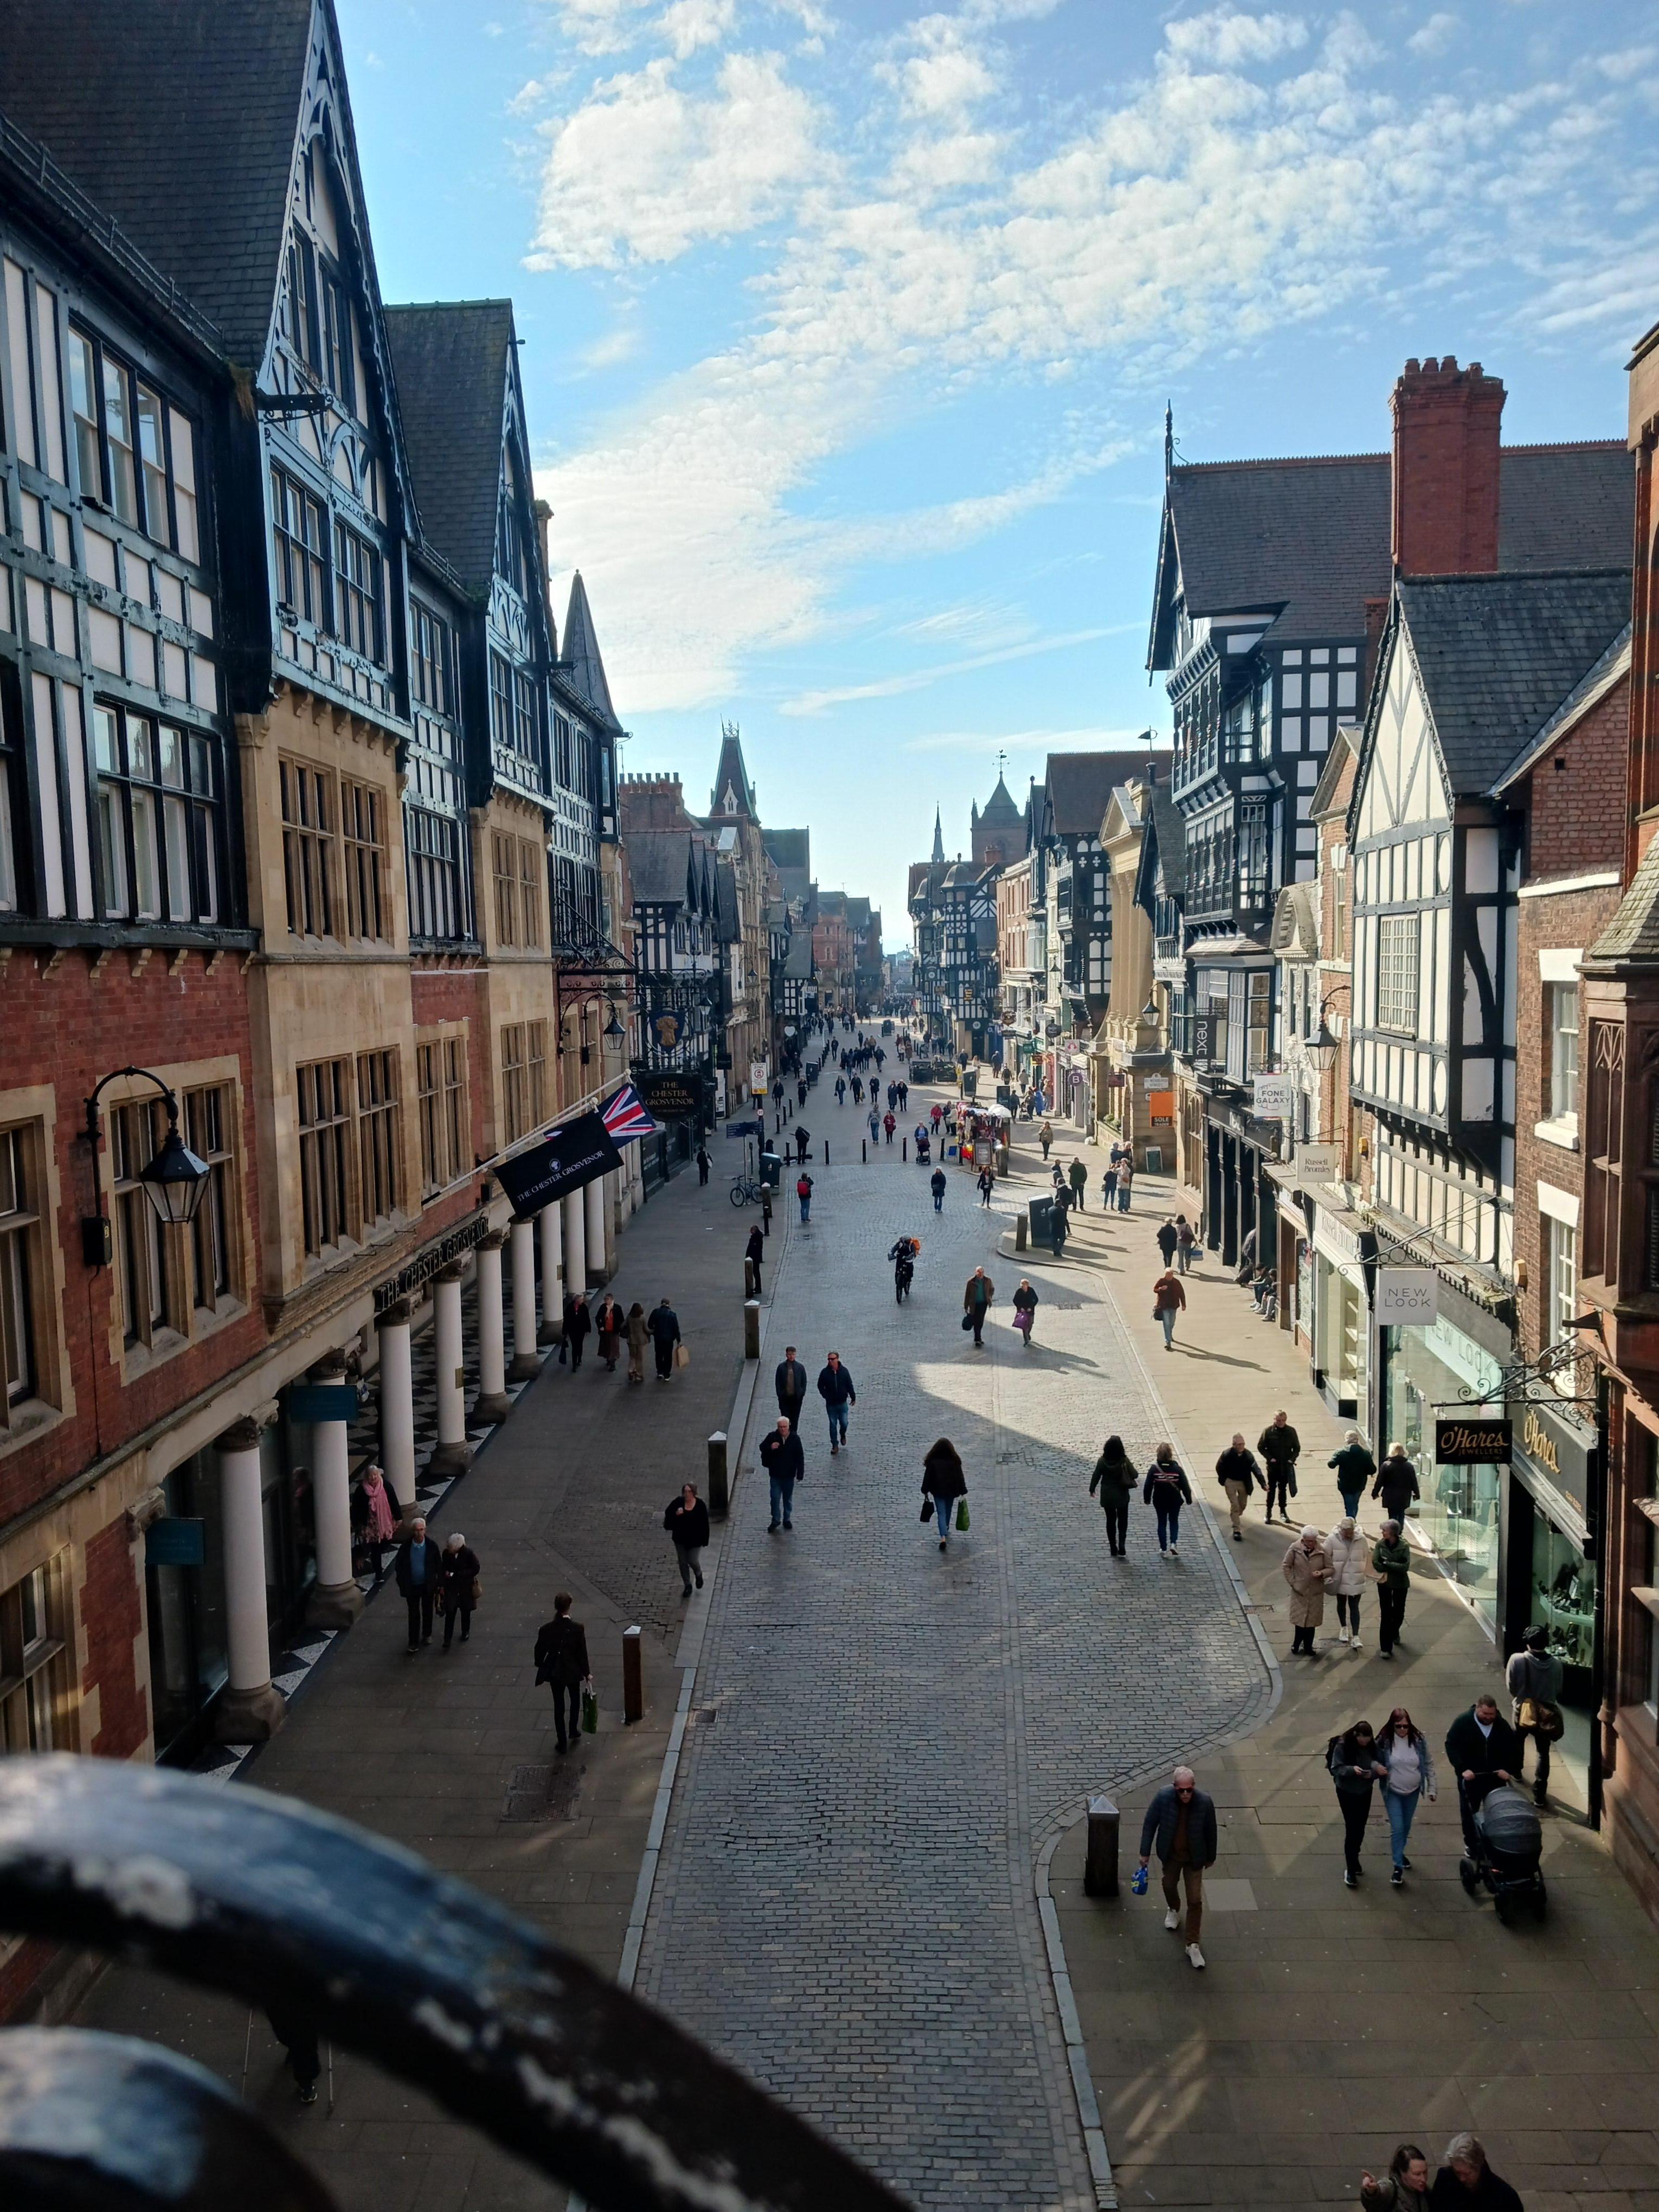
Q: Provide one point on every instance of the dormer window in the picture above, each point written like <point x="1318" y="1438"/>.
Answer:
<point x="300" y="324"/>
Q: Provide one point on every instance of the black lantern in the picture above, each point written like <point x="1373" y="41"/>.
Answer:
<point x="1322" y="1047"/>
<point x="174" y="1180"/>
<point x="613" y="1029"/>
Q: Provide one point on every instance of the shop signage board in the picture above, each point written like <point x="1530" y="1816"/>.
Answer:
<point x="1201" y="1033"/>
<point x="672" y="1097"/>
<point x="1407" y="1297"/>
<point x="758" y="1078"/>
<point x="570" y="1155"/>
<point x="1317" y="1163"/>
<point x="1273" y="1098"/>
<point x="322" y="1401"/>
<point x="1557" y="1448"/>
<point x="175" y="1541"/>
<point x="1477" y="1443"/>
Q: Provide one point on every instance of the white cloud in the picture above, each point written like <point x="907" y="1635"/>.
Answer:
<point x="600" y="27"/>
<point x="689" y="24"/>
<point x="923" y="679"/>
<point x="1229" y="39"/>
<point x="1435" y="36"/>
<point x="643" y="170"/>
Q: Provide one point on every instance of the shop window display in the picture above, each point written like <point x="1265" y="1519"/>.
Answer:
<point x="1562" y="1595"/>
<point x="1458" y="1512"/>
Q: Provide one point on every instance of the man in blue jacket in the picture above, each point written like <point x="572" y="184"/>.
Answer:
<point x="835" y="1388"/>
<point x="1181" y="1821"/>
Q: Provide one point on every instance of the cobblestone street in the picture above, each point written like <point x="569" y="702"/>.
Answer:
<point x="882" y="1735"/>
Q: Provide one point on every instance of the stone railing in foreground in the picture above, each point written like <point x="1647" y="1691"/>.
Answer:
<point x="286" y="1907"/>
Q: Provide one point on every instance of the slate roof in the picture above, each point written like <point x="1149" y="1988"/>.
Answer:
<point x="727" y="920"/>
<point x="659" y="865"/>
<point x="1080" y="785"/>
<point x="798" y="960"/>
<point x="450" y="361"/>
<point x="1611" y="665"/>
<point x="1633" y="932"/>
<point x="789" y="848"/>
<point x="730" y="774"/>
<point x="1167" y="843"/>
<point x="581" y="653"/>
<point x="180" y="118"/>
<point x="1497" y="655"/>
<point x="1312" y="537"/>
<point x="1343" y="751"/>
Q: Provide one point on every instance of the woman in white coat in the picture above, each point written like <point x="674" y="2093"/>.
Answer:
<point x="1349" y="1554"/>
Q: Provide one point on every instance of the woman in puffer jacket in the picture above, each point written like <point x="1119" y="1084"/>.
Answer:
<point x="1349" y="1554"/>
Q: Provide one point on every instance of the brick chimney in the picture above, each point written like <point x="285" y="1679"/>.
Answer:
<point x="1446" y="432"/>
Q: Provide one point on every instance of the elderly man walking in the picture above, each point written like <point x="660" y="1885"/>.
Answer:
<point x="782" y="1456"/>
<point x="1181" y="1822"/>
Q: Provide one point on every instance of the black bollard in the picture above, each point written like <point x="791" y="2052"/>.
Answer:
<point x="826" y="1152"/>
<point x="864" y="1151"/>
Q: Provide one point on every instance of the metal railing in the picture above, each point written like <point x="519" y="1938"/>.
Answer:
<point x="294" y="1910"/>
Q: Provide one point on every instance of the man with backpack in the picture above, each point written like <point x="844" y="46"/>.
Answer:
<point x="803" y="1192"/>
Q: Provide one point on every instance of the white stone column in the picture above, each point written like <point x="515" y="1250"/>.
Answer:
<point x="335" y="1600"/>
<point x="594" y="1200"/>
<point x="453" y="1452"/>
<point x="492" y="1404"/>
<point x="575" y="1247"/>
<point x="525" y="1362"/>
<point x="250" y="1707"/>
<point x="551" y="1221"/>
<point x="396" y="1407"/>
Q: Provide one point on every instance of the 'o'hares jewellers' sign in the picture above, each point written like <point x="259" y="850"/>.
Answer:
<point x="1559" y="1448"/>
<point x="1471" y="1443"/>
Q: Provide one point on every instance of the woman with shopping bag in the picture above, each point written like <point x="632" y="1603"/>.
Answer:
<point x="1025" y="1306"/>
<point x="944" y="1489"/>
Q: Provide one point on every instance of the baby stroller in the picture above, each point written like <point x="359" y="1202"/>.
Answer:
<point x="1511" y="1844"/>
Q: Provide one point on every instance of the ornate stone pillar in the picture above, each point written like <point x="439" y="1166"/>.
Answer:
<point x="492" y="1402"/>
<point x="593" y="1203"/>
<point x="575" y="1247"/>
<point x="453" y="1453"/>
<point x="335" y="1600"/>
<point x="525" y="1361"/>
<point x="250" y="1707"/>
<point x="551" y="1222"/>
<point x="397" y="1405"/>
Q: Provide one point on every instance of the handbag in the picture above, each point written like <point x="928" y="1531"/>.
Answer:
<point x="682" y="1355"/>
<point x="927" y="1507"/>
<point x="590" y="1708"/>
<point x="1544" y="1720"/>
<point x="962" y="1514"/>
<point x="477" y="1589"/>
<point x="967" y="1321"/>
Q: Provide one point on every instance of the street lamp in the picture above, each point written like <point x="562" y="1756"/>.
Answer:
<point x="1323" y="1047"/>
<point x="173" y="1179"/>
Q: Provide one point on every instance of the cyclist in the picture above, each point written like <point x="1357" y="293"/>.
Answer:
<point x="904" y="1257"/>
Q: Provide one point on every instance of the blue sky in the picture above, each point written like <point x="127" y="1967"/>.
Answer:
<point x="849" y="327"/>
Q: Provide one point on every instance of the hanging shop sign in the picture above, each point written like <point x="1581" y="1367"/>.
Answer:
<point x="322" y="1401"/>
<point x="568" y="1157"/>
<point x="1407" y="1297"/>
<point x="1556" y="1447"/>
<point x="1273" y="1098"/>
<point x="1317" y="1163"/>
<point x="1201" y="1036"/>
<point x="176" y="1540"/>
<point x="1472" y="1442"/>
<point x="672" y="1097"/>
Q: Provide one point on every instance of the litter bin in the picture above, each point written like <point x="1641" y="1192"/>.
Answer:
<point x="771" y="1169"/>
<point x="1042" y="1220"/>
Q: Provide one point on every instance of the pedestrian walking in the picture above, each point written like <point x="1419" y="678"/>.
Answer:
<point x="785" y="1462"/>
<point x="1534" y="1681"/>
<point x="840" y="1091"/>
<point x="1238" y="1474"/>
<point x="943" y="1483"/>
<point x="1280" y="1447"/>
<point x="904" y="1097"/>
<point x="1466" y="2184"/>
<point x="936" y="1115"/>
<point x="1078" y="1176"/>
<point x="1482" y="1750"/>
<point x="835" y="1388"/>
<point x="1046" y="1138"/>
<point x="1109" y="1186"/>
<point x="1391" y="1562"/>
<point x="1060" y="1226"/>
<point x="1351" y="1761"/>
<point x="976" y="1303"/>
<point x="754" y="1252"/>
<point x="1306" y="1566"/>
<point x="639" y="1336"/>
<point x="875" y="1127"/>
<point x="1403" y="2188"/>
<point x="298" y="2036"/>
<point x="803" y="1192"/>
<point x="561" y="1662"/>
<point x="1355" y="1467"/>
<point x="1350" y="1557"/>
<point x="789" y="1387"/>
<point x="1125" y="1177"/>
<point x="938" y="1183"/>
<point x="1167" y="1299"/>
<point x="800" y="1090"/>
<point x="703" y="1164"/>
<point x="1168" y="1240"/>
<point x="803" y="1139"/>
<point x="419" y="1570"/>
<point x="1186" y="1242"/>
<point x="578" y="1326"/>
<point x="665" y="1327"/>
<point x="376" y="1520"/>
<point x="1116" y="1479"/>
<point x="1167" y="1490"/>
<point x="608" y="1332"/>
<point x="1404" y="1751"/>
<point x="987" y="1183"/>
<point x="1180" y="1824"/>
<point x="461" y="1587"/>
<point x="1396" y="1484"/>
<point x="1025" y="1306"/>
<point x="686" y="1523"/>
<point x="890" y="1122"/>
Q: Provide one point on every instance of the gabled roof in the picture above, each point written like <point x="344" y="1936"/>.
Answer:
<point x="1164" y="849"/>
<point x="1610" y="668"/>
<point x="450" y="358"/>
<point x="581" y="653"/>
<point x="798" y="960"/>
<point x="999" y="807"/>
<point x="1309" y="539"/>
<point x="660" y="866"/>
<point x="1343" y="752"/>
<point x="180" y="118"/>
<point x="1497" y="655"/>
<point x="789" y="848"/>
<point x="732" y="776"/>
<point x="1079" y="785"/>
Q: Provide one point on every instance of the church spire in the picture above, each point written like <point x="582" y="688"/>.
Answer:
<point x="939" y="839"/>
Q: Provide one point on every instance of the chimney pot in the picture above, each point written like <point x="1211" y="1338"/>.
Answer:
<point x="1446" y="461"/>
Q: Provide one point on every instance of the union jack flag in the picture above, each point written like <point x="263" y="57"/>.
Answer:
<point x="626" y="1118"/>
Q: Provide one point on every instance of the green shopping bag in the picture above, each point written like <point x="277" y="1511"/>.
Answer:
<point x="962" y="1514"/>
<point x="590" y="1709"/>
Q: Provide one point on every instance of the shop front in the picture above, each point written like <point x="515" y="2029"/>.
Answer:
<point x="1453" y="1364"/>
<point x="682" y="1104"/>
<point x="1340" y="1311"/>
<point x="1550" y="1568"/>
<point x="185" y="1591"/>
<point x="1240" y="1207"/>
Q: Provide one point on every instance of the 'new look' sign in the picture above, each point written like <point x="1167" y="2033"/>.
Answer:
<point x="1407" y="1297"/>
<point x="568" y="1157"/>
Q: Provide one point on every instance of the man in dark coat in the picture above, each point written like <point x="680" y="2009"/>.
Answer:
<point x="785" y="1462"/>
<point x="1483" y="1750"/>
<point x="835" y="1388"/>
<point x="419" y="1570"/>
<point x="1466" y="2184"/>
<point x="663" y="1324"/>
<point x="1181" y="1822"/>
<point x="562" y="1660"/>
<point x="687" y="1522"/>
<point x="938" y="1184"/>
<point x="754" y="1252"/>
<point x="1396" y="1483"/>
<point x="1239" y="1475"/>
<point x="577" y="1323"/>
<point x="789" y="1382"/>
<point x="1169" y="1236"/>
<point x="1280" y="1447"/>
<point x="803" y="1139"/>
